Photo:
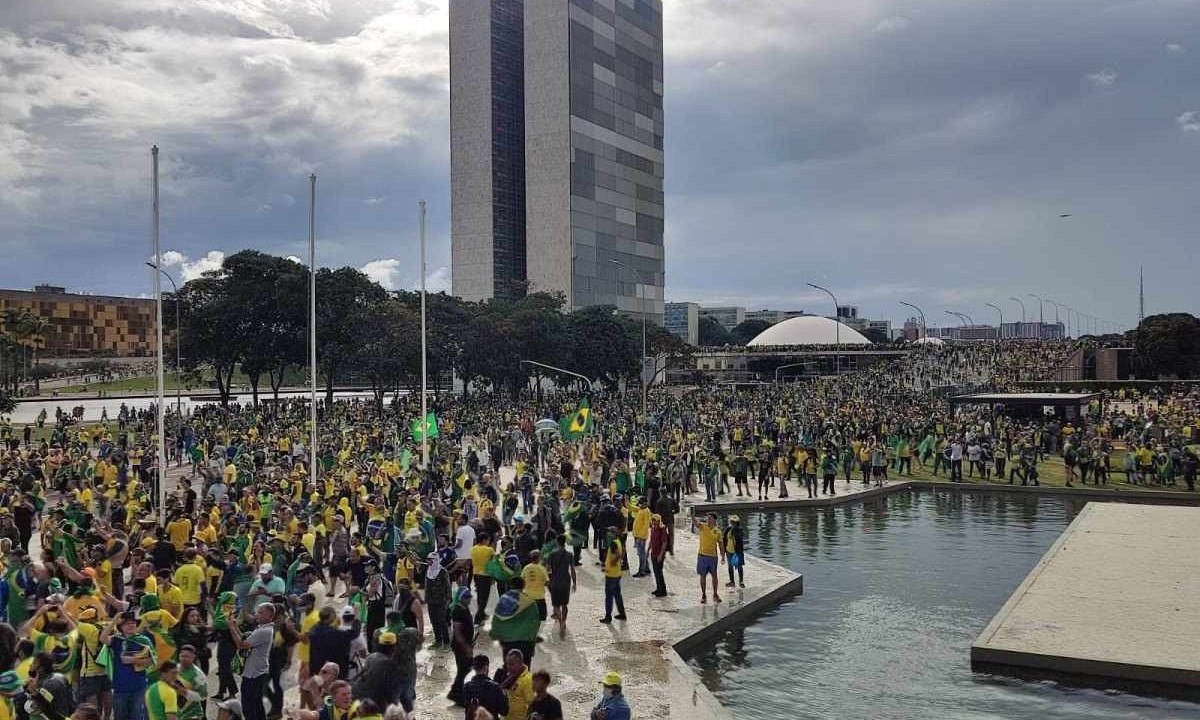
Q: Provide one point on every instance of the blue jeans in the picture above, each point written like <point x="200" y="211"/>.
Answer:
<point x="129" y="705"/>
<point x="612" y="593"/>
<point x="640" y="546"/>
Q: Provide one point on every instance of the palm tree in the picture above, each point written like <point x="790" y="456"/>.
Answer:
<point x="36" y="327"/>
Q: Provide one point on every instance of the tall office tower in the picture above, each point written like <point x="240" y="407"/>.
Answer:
<point x="592" y="179"/>
<point x="487" y="148"/>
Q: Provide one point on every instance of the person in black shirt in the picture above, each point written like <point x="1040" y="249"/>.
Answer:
<point x="482" y="691"/>
<point x="544" y="706"/>
<point x="462" y="641"/>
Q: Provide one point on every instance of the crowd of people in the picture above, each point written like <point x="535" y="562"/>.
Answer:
<point x="269" y="574"/>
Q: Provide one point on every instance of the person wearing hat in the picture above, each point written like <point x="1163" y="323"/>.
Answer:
<point x="377" y="679"/>
<point x="612" y="704"/>
<point x="641" y="535"/>
<point x="264" y="586"/>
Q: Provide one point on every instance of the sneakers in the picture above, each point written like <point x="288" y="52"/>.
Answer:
<point x="605" y="620"/>
<point x="620" y="617"/>
<point x="658" y="594"/>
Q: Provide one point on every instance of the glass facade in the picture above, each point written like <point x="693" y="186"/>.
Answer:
<point x="616" y="172"/>
<point x="508" y="147"/>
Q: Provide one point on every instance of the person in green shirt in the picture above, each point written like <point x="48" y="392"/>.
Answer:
<point x="194" y="683"/>
<point x="162" y="697"/>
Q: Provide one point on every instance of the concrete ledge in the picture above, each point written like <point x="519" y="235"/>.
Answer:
<point x="1146" y="496"/>
<point x="1111" y="604"/>
<point x="688" y="645"/>
<point x="793" y="503"/>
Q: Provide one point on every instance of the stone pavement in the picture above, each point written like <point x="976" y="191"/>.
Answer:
<point x="1112" y="603"/>
<point x="797" y="497"/>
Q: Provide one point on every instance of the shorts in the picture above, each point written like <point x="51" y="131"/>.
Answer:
<point x="706" y="565"/>
<point x="92" y="686"/>
<point x="560" y="597"/>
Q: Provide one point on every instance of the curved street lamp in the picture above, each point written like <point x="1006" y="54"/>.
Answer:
<point x="837" y="327"/>
<point x="924" y="329"/>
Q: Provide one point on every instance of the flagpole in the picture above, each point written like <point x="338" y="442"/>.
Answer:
<point x="158" y="310"/>
<point x="424" y="376"/>
<point x="312" y="323"/>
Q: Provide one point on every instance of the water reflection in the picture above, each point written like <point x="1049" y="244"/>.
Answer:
<point x="896" y="589"/>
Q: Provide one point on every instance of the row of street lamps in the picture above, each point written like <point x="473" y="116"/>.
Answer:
<point x="1096" y="324"/>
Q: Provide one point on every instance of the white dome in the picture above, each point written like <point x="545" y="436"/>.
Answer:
<point x="809" y="330"/>
<point x="929" y="341"/>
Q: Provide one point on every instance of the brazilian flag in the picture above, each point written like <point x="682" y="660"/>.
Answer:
<point x="425" y="429"/>
<point x="578" y="423"/>
<point x="515" y="618"/>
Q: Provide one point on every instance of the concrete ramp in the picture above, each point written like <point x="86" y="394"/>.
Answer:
<point x="1114" y="603"/>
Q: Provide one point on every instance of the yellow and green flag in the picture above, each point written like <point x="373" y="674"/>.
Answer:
<point x="578" y="423"/>
<point x="427" y="428"/>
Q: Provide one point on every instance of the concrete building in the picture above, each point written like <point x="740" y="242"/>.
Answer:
<point x="1032" y="331"/>
<point x="683" y="320"/>
<point x="87" y="324"/>
<point x="728" y="317"/>
<point x="557" y="151"/>
<point x="773" y="316"/>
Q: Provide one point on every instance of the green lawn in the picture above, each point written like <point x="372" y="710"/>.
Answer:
<point x="147" y="384"/>
<point x="1052" y="473"/>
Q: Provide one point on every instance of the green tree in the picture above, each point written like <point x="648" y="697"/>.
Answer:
<point x="748" y="330"/>
<point x="272" y="293"/>
<point x="388" y="357"/>
<point x="344" y="299"/>
<point x="603" y="344"/>
<point x="712" y="334"/>
<point x="1168" y="345"/>
<point x="214" y="329"/>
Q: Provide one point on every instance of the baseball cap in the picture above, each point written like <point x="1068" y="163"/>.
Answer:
<point x="265" y="568"/>
<point x="387" y="638"/>
<point x="233" y="707"/>
<point x="611" y="679"/>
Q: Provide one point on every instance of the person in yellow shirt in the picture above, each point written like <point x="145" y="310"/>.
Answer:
<point x="170" y="595"/>
<point x="708" y="554"/>
<point x="308" y="621"/>
<point x="517" y="684"/>
<point x="641" y="533"/>
<point x="612" y="578"/>
<point x="189" y="580"/>
<point x="536" y="578"/>
<point x="179" y="531"/>
<point x="481" y="553"/>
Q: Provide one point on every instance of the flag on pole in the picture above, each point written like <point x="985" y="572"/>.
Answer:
<point x="578" y="423"/>
<point x="427" y="428"/>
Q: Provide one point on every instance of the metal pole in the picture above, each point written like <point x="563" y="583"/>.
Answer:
<point x="312" y="326"/>
<point x="1000" y="329"/>
<point x="158" y="382"/>
<point x="178" y="337"/>
<point x="837" y="328"/>
<point x="1041" y="316"/>
<point x="424" y="377"/>
<point x="1020" y="302"/>
<point x="924" y="329"/>
<point x="591" y="383"/>
<point x="790" y="365"/>
<point x="1057" y="322"/>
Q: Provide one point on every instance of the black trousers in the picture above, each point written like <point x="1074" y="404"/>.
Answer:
<point x="225" y="652"/>
<point x="660" y="580"/>
<point x="462" y="667"/>
<point x="253" y="690"/>
<point x="827" y="484"/>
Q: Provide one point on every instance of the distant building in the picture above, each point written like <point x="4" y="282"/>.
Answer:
<point x="977" y="332"/>
<point x="912" y="329"/>
<point x="87" y="324"/>
<point x="727" y="317"/>
<point x="683" y="320"/>
<point x="773" y="316"/>
<point x="1032" y="331"/>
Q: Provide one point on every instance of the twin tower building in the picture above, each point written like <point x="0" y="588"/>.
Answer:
<point x="556" y="143"/>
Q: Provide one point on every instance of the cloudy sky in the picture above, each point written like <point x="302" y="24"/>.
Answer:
<point x="917" y="150"/>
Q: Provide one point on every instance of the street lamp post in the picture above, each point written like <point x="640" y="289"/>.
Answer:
<point x="1020" y="302"/>
<point x="178" y="339"/>
<point x="424" y="374"/>
<point x="1000" y="312"/>
<point x="590" y="383"/>
<point x="1041" y="315"/>
<point x="312" y="324"/>
<point x="924" y="328"/>
<point x="642" y="367"/>
<point x="837" y="327"/>
<point x="1057" y="307"/>
<point x="161" y="420"/>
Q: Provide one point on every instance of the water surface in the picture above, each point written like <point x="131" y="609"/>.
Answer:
<point x="896" y="590"/>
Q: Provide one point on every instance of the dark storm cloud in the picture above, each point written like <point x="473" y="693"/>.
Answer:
<point x="892" y="150"/>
